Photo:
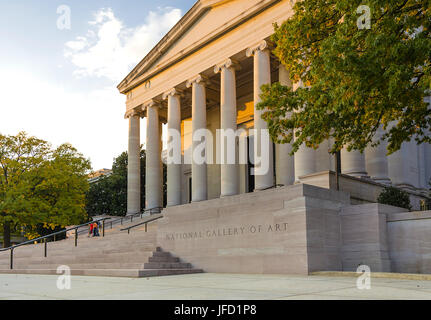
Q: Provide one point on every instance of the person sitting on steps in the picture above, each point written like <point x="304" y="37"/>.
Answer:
<point x="96" y="229"/>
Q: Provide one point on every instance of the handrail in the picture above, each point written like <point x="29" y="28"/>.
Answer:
<point x="50" y="235"/>
<point x="140" y="224"/>
<point x="12" y="248"/>
<point x="44" y="238"/>
<point x="120" y="220"/>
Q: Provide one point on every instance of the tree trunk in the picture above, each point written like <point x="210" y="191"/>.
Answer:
<point x="6" y="235"/>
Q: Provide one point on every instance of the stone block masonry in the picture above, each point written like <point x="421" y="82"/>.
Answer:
<point x="286" y="230"/>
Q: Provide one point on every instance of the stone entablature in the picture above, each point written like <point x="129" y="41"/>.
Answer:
<point x="222" y="42"/>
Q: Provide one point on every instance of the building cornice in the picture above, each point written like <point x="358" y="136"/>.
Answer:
<point x="174" y="34"/>
<point x="143" y="71"/>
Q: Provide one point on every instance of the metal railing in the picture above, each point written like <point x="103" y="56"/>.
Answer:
<point x="129" y="218"/>
<point x="146" y="222"/>
<point x="44" y="239"/>
<point x="114" y="222"/>
<point x="77" y="232"/>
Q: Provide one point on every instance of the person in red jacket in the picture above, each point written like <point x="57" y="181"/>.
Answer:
<point x="90" y="231"/>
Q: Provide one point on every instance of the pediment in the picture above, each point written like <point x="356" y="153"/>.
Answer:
<point x="207" y="20"/>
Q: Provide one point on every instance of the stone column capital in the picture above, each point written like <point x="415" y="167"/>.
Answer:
<point x="228" y="63"/>
<point x="199" y="79"/>
<point x="171" y="93"/>
<point x="151" y="103"/>
<point x="261" y="46"/>
<point x="133" y="113"/>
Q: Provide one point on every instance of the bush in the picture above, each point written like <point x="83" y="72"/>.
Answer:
<point x="394" y="197"/>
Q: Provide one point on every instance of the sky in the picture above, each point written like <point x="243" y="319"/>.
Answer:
<point x="60" y="63"/>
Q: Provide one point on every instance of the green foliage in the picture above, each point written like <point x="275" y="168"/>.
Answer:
<point x="39" y="185"/>
<point x="109" y="194"/>
<point x="353" y="81"/>
<point x="99" y="197"/>
<point x="395" y="197"/>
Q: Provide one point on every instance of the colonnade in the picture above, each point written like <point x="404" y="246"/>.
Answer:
<point x="288" y="169"/>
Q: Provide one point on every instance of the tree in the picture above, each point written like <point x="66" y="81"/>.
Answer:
<point x="352" y="81"/>
<point x="39" y="185"/>
<point x="98" y="199"/>
<point x="395" y="197"/>
<point x="109" y="194"/>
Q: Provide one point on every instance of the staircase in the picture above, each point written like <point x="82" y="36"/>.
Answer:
<point x="118" y="254"/>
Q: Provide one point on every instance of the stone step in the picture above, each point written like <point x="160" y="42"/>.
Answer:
<point x="161" y="254"/>
<point x="95" y="246"/>
<point x="166" y="272"/>
<point x="167" y="265"/>
<point x="163" y="259"/>
<point x="118" y="254"/>
<point x="85" y="252"/>
<point x="131" y="273"/>
<point x="131" y="257"/>
<point x="107" y="244"/>
<point x="83" y="266"/>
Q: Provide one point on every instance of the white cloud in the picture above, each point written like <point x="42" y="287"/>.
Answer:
<point x="73" y="46"/>
<point x="92" y="121"/>
<point x="110" y="49"/>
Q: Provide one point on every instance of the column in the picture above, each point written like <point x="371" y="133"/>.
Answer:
<point x="284" y="162"/>
<point x="403" y="166"/>
<point x="305" y="157"/>
<point x="376" y="159"/>
<point x="304" y="162"/>
<point x="262" y="75"/>
<point x="199" y="122"/>
<point x="228" y="115"/>
<point x="133" y="167"/>
<point x="353" y="163"/>
<point x="174" y="167"/>
<point x="153" y="177"/>
<point x="423" y="184"/>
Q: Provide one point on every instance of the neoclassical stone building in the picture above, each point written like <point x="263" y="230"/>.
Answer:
<point x="207" y="73"/>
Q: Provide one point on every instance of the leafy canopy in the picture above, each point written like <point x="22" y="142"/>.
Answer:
<point x="109" y="194"/>
<point x="353" y="80"/>
<point x="39" y="185"/>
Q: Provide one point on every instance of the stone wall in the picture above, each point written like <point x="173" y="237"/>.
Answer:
<point x="364" y="236"/>
<point x="409" y="235"/>
<point x="296" y="230"/>
<point x="362" y="191"/>
<point x="385" y="238"/>
<point x="291" y="229"/>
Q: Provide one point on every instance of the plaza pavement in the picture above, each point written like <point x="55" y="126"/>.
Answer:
<point x="209" y="286"/>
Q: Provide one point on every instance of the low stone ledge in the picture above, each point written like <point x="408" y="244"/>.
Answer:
<point x="388" y="275"/>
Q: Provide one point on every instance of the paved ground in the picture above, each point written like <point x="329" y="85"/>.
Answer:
<point x="212" y="287"/>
